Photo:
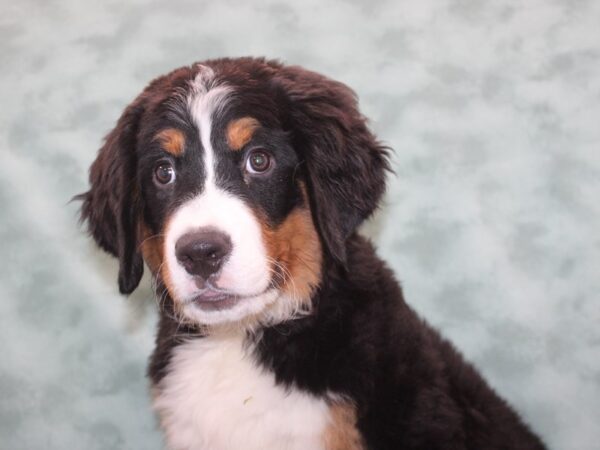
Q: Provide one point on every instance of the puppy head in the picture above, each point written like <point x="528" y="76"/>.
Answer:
<point x="237" y="181"/>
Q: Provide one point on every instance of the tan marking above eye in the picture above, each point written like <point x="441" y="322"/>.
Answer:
<point x="172" y="141"/>
<point x="240" y="131"/>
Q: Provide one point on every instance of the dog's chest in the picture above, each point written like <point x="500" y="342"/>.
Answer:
<point x="216" y="397"/>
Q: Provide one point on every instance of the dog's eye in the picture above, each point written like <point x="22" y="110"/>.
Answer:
<point x="259" y="161"/>
<point x="164" y="173"/>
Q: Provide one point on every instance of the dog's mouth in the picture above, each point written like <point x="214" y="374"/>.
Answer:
<point x="211" y="299"/>
<point x="214" y="299"/>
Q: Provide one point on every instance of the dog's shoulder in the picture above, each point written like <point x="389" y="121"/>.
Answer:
<point x="411" y="388"/>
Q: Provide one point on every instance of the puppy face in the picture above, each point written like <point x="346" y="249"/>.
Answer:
<point x="237" y="181"/>
<point x="228" y="225"/>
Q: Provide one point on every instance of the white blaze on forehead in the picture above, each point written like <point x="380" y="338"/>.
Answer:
<point x="205" y="102"/>
<point x="246" y="272"/>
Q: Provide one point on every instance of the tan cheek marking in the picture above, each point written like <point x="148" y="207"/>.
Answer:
<point x="295" y="245"/>
<point x="341" y="433"/>
<point x="165" y="274"/>
<point x="240" y="131"/>
<point x="152" y="249"/>
<point x="172" y="141"/>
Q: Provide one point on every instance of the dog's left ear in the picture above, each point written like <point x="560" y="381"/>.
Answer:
<point x="111" y="206"/>
<point x="345" y="165"/>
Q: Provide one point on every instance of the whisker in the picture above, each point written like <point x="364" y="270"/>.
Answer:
<point x="155" y="236"/>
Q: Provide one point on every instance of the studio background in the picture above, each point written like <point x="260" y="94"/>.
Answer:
<point x="491" y="221"/>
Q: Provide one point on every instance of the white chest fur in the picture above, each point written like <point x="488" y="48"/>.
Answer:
<point x="215" y="397"/>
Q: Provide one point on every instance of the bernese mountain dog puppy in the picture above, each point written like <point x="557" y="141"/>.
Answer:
<point x="240" y="183"/>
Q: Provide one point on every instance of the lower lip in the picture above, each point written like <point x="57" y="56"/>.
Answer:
<point x="215" y="301"/>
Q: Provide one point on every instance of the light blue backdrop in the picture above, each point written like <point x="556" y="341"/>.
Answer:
<point x="492" y="221"/>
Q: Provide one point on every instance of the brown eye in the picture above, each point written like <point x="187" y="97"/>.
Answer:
<point x="164" y="173"/>
<point x="258" y="161"/>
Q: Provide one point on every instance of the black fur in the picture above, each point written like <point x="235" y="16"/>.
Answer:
<point x="110" y="207"/>
<point x="411" y="388"/>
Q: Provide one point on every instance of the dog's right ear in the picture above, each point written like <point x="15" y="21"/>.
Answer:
<point x="111" y="206"/>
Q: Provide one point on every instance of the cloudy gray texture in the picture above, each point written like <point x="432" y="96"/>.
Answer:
<point x="491" y="222"/>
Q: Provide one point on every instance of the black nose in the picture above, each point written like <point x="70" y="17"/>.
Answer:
<point x="203" y="252"/>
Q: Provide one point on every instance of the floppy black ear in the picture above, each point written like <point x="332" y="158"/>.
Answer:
<point x="111" y="206"/>
<point x="345" y="164"/>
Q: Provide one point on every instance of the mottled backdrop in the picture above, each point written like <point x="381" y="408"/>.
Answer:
<point x="491" y="222"/>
